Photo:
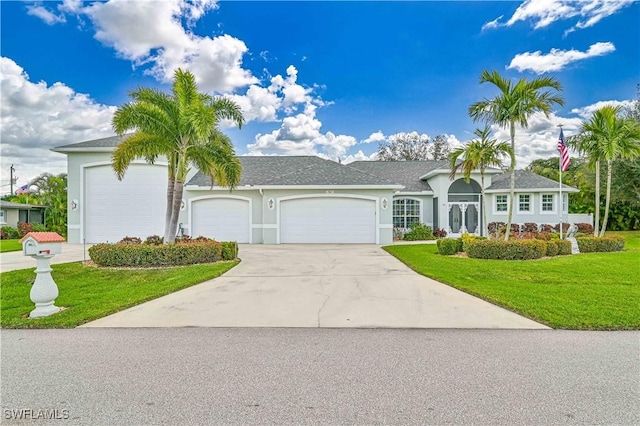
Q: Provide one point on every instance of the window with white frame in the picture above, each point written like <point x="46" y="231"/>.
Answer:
<point x="524" y="203"/>
<point x="406" y="212"/>
<point x="3" y="216"/>
<point x="501" y="203"/>
<point x="547" y="203"/>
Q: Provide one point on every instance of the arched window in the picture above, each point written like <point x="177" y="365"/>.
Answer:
<point x="406" y="212"/>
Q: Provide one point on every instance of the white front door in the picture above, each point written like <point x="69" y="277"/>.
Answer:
<point x="223" y="219"/>
<point x="328" y="220"/>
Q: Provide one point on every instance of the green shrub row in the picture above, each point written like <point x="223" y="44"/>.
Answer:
<point x="449" y="246"/>
<point x="480" y="248"/>
<point x="600" y="244"/>
<point x="419" y="231"/>
<point x="507" y="250"/>
<point x="151" y="255"/>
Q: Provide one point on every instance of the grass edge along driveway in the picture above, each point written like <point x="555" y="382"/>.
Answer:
<point x="90" y="293"/>
<point x="590" y="291"/>
<point x="10" y="245"/>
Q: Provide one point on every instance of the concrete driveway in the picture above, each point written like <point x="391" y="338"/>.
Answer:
<point x="318" y="286"/>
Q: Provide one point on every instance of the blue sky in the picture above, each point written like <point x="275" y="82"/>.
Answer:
<point x="328" y="78"/>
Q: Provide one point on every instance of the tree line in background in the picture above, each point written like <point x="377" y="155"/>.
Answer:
<point x="50" y="191"/>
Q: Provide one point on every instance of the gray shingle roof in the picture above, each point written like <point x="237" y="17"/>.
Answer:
<point x="525" y="180"/>
<point x="110" y="142"/>
<point x="10" y="205"/>
<point x="296" y="170"/>
<point x="406" y="173"/>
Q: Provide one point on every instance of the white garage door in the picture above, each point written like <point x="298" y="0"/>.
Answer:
<point x="224" y="219"/>
<point x="133" y="207"/>
<point x="328" y="220"/>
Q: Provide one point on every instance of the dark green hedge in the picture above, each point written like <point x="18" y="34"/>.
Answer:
<point x="150" y="255"/>
<point x="553" y="248"/>
<point x="507" y="250"/>
<point x="449" y="246"/>
<point x="600" y="244"/>
<point x="564" y="247"/>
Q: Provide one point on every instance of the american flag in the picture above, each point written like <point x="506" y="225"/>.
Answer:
<point x="23" y="190"/>
<point x="565" y="161"/>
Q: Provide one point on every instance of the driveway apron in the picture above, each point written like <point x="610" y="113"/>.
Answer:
<point x="318" y="286"/>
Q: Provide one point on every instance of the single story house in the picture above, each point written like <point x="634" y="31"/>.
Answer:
<point x="12" y="213"/>
<point x="296" y="199"/>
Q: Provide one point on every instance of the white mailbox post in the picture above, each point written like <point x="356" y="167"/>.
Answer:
<point x="43" y="246"/>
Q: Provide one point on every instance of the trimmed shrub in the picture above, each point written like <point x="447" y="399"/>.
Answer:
<point x="553" y="248"/>
<point x="419" y="231"/>
<point x="565" y="227"/>
<point x="496" y="226"/>
<point x="600" y="244"/>
<point x="466" y="238"/>
<point x="130" y="240"/>
<point x="547" y="228"/>
<point x="439" y="233"/>
<point x="515" y="227"/>
<point x="586" y="228"/>
<point x="155" y="240"/>
<point x="544" y="236"/>
<point x="449" y="246"/>
<point x="564" y="246"/>
<point x="530" y="227"/>
<point x="10" y="232"/>
<point x="230" y="250"/>
<point x="507" y="250"/>
<point x="150" y="255"/>
<point x="24" y="228"/>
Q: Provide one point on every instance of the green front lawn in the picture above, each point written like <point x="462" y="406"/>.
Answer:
<point x="591" y="291"/>
<point x="90" y="293"/>
<point x="10" y="245"/>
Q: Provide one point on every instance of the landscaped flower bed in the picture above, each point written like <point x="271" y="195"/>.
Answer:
<point x="132" y="252"/>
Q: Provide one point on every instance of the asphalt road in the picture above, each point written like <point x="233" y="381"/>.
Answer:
<point x="320" y="376"/>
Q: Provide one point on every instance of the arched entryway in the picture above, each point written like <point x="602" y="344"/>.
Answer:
<point x="464" y="208"/>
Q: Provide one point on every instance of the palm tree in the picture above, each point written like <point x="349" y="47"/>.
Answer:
<point x="606" y="137"/>
<point x="181" y="126"/>
<point x="515" y="105"/>
<point x="478" y="155"/>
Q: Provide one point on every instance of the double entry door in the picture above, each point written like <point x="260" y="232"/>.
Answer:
<point x="464" y="217"/>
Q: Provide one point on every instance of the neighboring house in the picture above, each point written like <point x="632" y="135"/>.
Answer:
<point x="296" y="199"/>
<point x="12" y="213"/>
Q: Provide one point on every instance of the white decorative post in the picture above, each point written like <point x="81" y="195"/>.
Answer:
<point x="43" y="246"/>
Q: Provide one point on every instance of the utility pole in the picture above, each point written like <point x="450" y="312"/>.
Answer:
<point x="11" y="178"/>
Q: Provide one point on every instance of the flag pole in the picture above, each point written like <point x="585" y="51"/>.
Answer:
<point x="561" y="202"/>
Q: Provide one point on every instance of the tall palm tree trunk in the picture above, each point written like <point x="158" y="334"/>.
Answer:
<point x="169" y="211"/>
<point x="178" y="190"/>
<point x="512" y="183"/>
<point x="596" y="224"/>
<point x="607" y="200"/>
<point x="485" y="231"/>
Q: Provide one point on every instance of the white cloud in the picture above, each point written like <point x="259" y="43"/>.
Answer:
<point x="375" y="137"/>
<point x="557" y="59"/>
<point x="38" y="116"/>
<point x="543" y="13"/>
<point x="360" y="156"/>
<point x="45" y="14"/>
<point x="301" y="135"/>
<point x="151" y="34"/>
<point x="587" y="112"/>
